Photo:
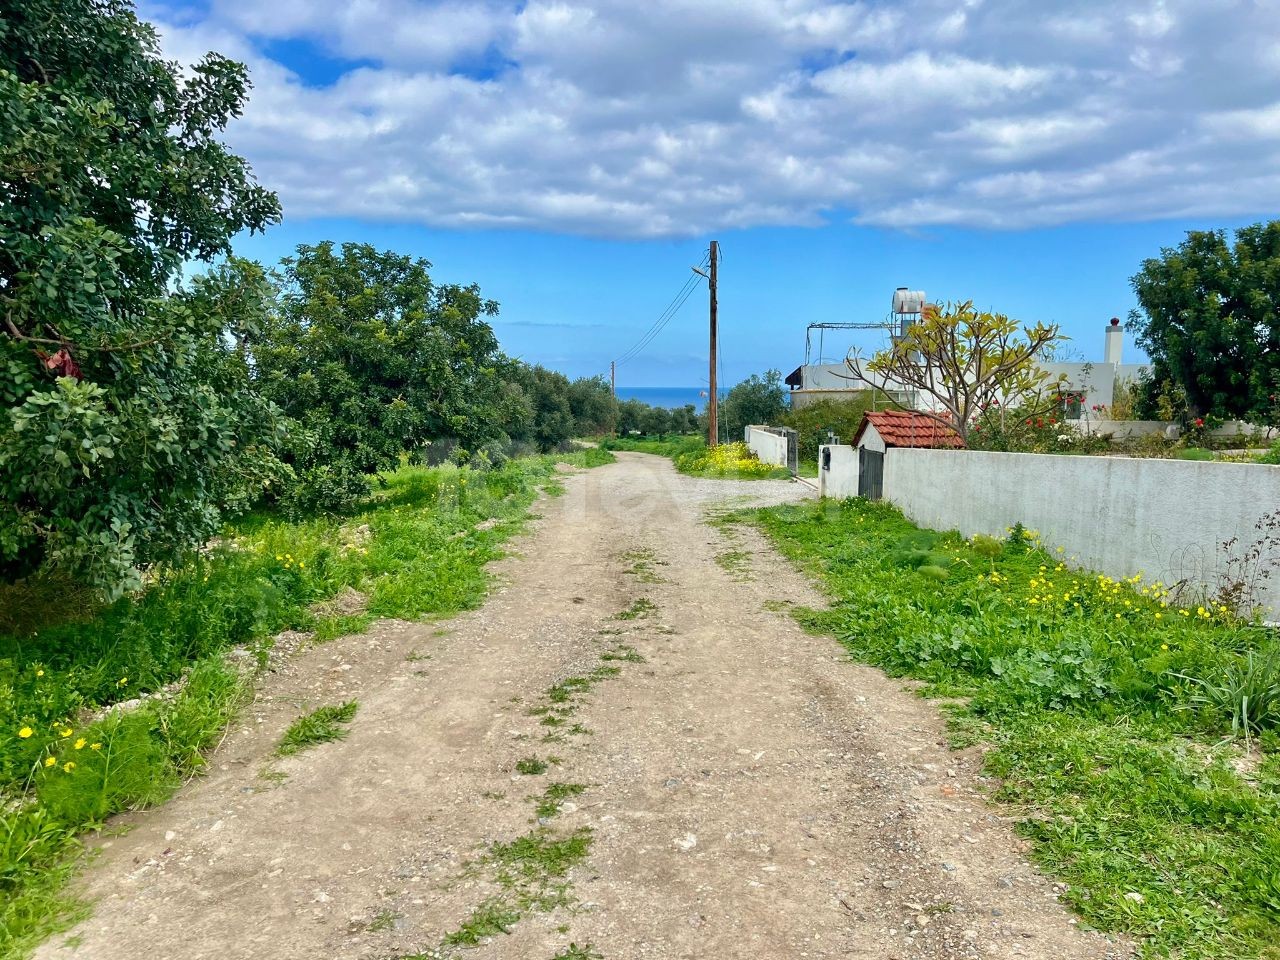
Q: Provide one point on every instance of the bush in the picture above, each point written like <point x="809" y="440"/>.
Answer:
<point x="332" y="489"/>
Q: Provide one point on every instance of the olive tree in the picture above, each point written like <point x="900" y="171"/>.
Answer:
<point x="125" y="414"/>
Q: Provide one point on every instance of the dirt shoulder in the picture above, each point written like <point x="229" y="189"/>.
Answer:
<point x="739" y="788"/>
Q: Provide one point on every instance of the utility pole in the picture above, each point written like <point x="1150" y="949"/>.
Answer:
<point x="613" y="378"/>
<point x="713" y="408"/>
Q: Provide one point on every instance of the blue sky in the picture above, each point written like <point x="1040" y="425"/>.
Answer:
<point x="573" y="157"/>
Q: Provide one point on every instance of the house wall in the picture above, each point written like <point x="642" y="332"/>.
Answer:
<point x="1166" y="519"/>
<point x="871" y="439"/>
<point x="1096" y="381"/>
<point x="839" y="479"/>
<point x="769" y="446"/>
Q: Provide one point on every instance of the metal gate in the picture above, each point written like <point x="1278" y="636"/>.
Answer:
<point x="870" y="474"/>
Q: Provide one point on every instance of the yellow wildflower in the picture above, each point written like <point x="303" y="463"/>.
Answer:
<point x="50" y="761"/>
<point x="65" y="732"/>
<point x="69" y="766"/>
<point x="122" y="682"/>
<point x="1164" y="646"/>
<point x="39" y="673"/>
<point x="25" y="732"/>
<point x="80" y="743"/>
<point x="95" y="746"/>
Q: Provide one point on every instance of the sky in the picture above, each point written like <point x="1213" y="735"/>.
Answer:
<point x="574" y="157"/>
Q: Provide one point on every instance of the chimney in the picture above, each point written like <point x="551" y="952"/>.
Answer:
<point x="1114" y="346"/>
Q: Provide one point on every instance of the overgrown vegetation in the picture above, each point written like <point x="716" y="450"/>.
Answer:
<point x="68" y="761"/>
<point x="1109" y="707"/>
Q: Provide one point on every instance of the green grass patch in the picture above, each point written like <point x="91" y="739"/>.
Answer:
<point x="531" y="766"/>
<point x="413" y="550"/>
<point x="642" y="566"/>
<point x="321" y="725"/>
<point x="553" y="798"/>
<point x="692" y="456"/>
<point x="638" y="610"/>
<point x="1090" y="694"/>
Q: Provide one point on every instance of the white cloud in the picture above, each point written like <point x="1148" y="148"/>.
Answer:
<point x="672" y="117"/>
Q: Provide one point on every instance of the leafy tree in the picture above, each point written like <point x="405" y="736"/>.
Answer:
<point x="595" y="411"/>
<point x="125" y="416"/>
<point x="755" y="400"/>
<point x="552" y="422"/>
<point x="684" y="419"/>
<point x="631" y="414"/>
<point x="656" y="422"/>
<point x="374" y="359"/>
<point x="1210" y="320"/>
<point x="964" y="361"/>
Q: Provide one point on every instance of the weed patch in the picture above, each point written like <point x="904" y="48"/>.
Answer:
<point x="554" y="797"/>
<point x="638" y="610"/>
<point x="531" y="766"/>
<point x="322" y="725"/>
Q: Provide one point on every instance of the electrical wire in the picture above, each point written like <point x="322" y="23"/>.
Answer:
<point x="678" y="301"/>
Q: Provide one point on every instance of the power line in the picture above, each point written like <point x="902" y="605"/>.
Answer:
<point x="678" y="301"/>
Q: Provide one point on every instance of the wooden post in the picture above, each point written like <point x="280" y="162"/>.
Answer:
<point x="713" y="426"/>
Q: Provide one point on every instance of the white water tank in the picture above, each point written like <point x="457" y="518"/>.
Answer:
<point x="908" y="301"/>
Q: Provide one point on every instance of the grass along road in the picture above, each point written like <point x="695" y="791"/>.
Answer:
<point x="629" y="751"/>
<point x="1094" y="703"/>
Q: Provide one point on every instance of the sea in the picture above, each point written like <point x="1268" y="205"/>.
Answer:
<point x="669" y="397"/>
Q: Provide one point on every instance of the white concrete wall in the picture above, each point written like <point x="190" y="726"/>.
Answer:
<point x="1165" y="518"/>
<point x="840" y="480"/>
<point x="871" y="439"/>
<point x="1124" y="429"/>
<point x="769" y="447"/>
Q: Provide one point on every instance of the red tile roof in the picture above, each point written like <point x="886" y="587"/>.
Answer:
<point x="903" y="428"/>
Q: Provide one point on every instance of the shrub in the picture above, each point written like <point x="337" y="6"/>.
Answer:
<point x="333" y="489"/>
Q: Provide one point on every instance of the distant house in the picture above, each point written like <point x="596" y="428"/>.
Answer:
<point x="894" y="428"/>
<point x="832" y="381"/>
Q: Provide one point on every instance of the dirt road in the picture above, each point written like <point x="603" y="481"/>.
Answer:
<point x="729" y="786"/>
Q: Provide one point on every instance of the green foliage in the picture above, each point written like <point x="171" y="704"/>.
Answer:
<point x="756" y="399"/>
<point x="1026" y="430"/>
<point x="548" y="394"/>
<point x="135" y="462"/>
<point x="1079" y="684"/>
<point x="1209" y="322"/>
<point x="373" y="358"/>
<point x="321" y="725"/>
<point x="1247" y="690"/>
<point x="813" y="421"/>
<point x="531" y="766"/>
<point x="592" y="404"/>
